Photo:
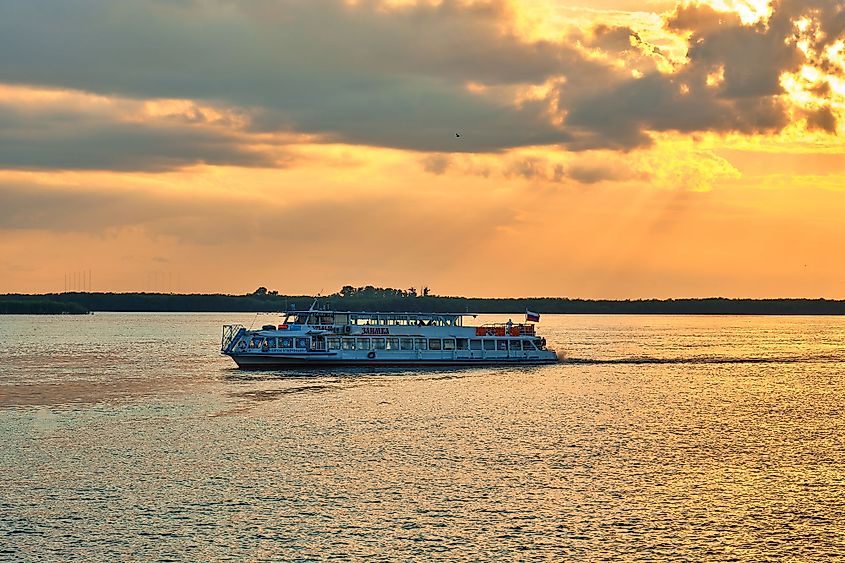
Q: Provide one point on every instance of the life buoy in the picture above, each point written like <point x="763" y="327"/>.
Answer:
<point x="371" y="355"/>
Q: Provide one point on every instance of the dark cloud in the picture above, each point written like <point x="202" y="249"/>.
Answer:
<point x="753" y="56"/>
<point x="822" y="119"/>
<point x="532" y="168"/>
<point x="72" y="139"/>
<point x="747" y="97"/>
<point x="589" y="170"/>
<point x="623" y="117"/>
<point x="593" y="172"/>
<point x="363" y="73"/>
<point x="436" y="163"/>
<point x="585" y="169"/>
<point x="360" y="74"/>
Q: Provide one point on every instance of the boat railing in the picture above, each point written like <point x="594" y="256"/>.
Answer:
<point x="505" y="329"/>
<point x="230" y="334"/>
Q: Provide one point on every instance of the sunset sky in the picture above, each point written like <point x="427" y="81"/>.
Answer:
<point x="607" y="149"/>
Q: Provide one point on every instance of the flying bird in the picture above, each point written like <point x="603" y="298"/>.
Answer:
<point x="458" y="135"/>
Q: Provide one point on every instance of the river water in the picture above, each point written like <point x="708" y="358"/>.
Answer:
<point x="127" y="436"/>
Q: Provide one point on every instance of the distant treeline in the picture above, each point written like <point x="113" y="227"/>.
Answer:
<point x="14" y="305"/>
<point x="389" y="300"/>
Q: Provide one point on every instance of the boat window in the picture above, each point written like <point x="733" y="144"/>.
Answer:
<point x="363" y="343"/>
<point x="489" y="344"/>
<point x="326" y="319"/>
<point x="255" y="342"/>
<point x="333" y="342"/>
<point x="271" y="342"/>
<point x="463" y="344"/>
<point x="516" y="345"/>
<point x="475" y="344"/>
<point x="407" y="343"/>
<point x="348" y="343"/>
<point x="527" y="345"/>
<point x="434" y="344"/>
<point x="302" y="343"/>
<point x="285" y="342"/>
<point x="392" y="343"/>
<point x="501" y="344"/>
<point x="341" y="319"/>
<point x="300" y="319"/>
<point x="378" y="343"/>
<point x="421" y="343"/>
<point x="448" y="344"/>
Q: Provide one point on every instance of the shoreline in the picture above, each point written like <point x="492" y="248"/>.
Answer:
<point x="84" y="303"/>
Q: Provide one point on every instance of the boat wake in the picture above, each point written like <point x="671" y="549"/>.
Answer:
<point x="647" y="360"/>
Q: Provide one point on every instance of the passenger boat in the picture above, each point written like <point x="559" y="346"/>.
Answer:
<point x="328" y="338"/>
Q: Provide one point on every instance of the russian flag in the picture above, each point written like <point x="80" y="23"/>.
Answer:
<point x="533" y="317"/>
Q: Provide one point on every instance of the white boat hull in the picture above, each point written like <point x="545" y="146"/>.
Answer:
<point x="271" y="361"/>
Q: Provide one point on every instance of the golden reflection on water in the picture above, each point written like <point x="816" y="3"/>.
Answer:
<point x="680" y="438"/>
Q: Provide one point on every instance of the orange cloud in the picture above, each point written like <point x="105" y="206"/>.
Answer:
<point x="618" y="149"/>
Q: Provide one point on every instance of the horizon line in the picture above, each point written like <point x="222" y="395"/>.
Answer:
<point x="336" y="296"/>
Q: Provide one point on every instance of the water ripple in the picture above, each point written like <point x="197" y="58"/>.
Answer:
<point x="659" y="438"/>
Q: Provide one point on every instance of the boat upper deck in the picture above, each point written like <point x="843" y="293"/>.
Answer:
<point x="370" y="318"/>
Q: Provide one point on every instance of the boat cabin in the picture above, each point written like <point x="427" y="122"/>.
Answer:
<point x="358" y="318"/>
